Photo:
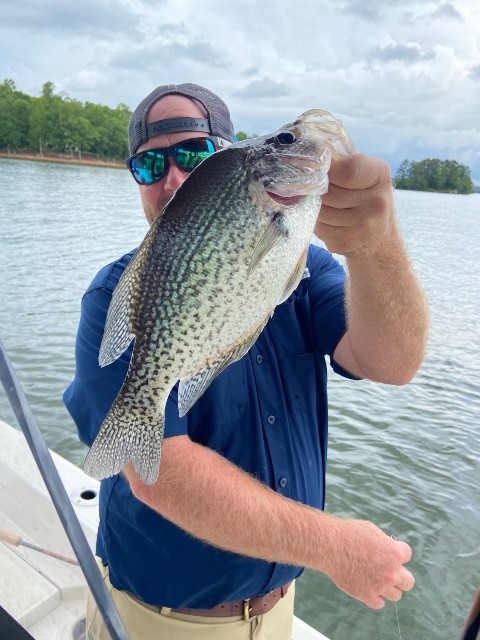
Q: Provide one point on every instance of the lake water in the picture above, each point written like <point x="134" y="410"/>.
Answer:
<point x="406" y="458"/>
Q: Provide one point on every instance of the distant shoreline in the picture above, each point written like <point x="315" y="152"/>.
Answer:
<point x="94" y="162"/>
<point x="90" y="162"/>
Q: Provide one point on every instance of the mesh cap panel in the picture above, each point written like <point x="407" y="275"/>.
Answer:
<point x="217" y="112"/>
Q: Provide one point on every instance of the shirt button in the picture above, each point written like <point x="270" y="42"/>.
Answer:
<point x="259" y="359"/>
<point x="271" y="419"/>
<point x="283" y="482"/>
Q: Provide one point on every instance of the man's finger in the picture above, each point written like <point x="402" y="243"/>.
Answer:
<point x="376" y="603"/>
<point x="359" y="172"/>
<point x="394" y="594"/>
<point x="406" y="551"/>
<point x="406" y="581"/>
<point x="339" y="217"/>
<point x="341" y="198"/>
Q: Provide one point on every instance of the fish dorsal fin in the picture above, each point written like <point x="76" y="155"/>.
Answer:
<point x="118" y="333"/>
<point x="295" y="278"/>
<point x="275" y="232"/>
<point x="190" y="389"/>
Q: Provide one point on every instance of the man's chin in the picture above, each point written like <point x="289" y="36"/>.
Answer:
<point x="151" y="214"/>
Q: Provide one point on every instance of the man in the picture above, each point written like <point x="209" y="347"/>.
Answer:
<point x="212" y="549"/>
<point x="472" y="626"/>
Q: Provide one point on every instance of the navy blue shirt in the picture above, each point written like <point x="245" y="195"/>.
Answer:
<point x="266" y="413"/>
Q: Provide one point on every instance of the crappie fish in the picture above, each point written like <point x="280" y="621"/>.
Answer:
<point x="227" y="249"/>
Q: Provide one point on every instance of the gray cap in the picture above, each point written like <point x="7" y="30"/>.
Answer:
<point x="218" y="122"/>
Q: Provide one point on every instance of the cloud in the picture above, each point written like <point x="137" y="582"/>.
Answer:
<point x="475" y="72"/>
<point x="251" y="71"/>
<point x="409" y="53"/>
<point x="447" y="11"/>
<point x="146" y="57"/>
<point x="265" y="88"/>
<point x="363" y="10"/>
<point x="396" y="73"/>
<point x="375" y="10"/>
<point x="89" y="17"/>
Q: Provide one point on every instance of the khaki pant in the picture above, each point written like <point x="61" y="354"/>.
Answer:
<point x="144" y="622"/>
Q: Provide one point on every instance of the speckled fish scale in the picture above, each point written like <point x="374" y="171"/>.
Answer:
<point x="228" y="248"/>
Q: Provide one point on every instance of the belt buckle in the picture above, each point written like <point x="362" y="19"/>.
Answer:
<point x="246" y="609"/>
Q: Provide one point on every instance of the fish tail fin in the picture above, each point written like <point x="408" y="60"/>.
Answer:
<point x="127" y="436"/>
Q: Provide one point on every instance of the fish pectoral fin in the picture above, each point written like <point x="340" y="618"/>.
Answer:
<point x="295" y="278"/>
<point x="275" y="232"/>
<point x="190" y="389"/>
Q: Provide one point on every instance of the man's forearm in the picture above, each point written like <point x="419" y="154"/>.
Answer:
<point x="386" y="307"/>
<point x="219" y="503"/>
<point x="213" y="500"/>
<point x="387" y="314"/>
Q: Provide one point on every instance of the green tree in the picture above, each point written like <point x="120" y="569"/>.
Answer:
<point x="14" y="114"/>
<point x="44" y="120"/>
<point x="76" y="129"/>
<point x="433" y="174"/>
<point x="38" y="126"/>
<point x="55" y="122"/>
<point x="402" y="175"/>
<point x="241" y="135"/>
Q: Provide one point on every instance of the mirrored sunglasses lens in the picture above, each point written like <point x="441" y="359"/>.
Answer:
<point x="189" y="154"/>
<point x="148" y="167"/>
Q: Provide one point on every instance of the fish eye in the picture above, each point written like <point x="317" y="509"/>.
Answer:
<point x="285" y="137"/>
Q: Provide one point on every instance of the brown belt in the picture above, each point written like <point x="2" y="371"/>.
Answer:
<point x="246" y="608"/>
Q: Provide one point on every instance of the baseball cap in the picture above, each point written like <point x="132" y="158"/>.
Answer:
<point x="218" y="122"/>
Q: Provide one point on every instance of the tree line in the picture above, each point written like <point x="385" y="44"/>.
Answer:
<point x="433" y="174"/>
<point x="54" y="122"/>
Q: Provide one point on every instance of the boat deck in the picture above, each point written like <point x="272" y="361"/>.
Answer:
<point x="46" y="595"/>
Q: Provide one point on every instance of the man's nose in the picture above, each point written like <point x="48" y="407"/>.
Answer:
<point x="175" y="176"/>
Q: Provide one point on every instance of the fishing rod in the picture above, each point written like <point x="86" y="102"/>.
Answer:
<point x="59" y="497"/>
<point x="16" y="541"/>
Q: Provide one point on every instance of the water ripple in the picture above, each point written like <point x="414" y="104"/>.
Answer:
<point x="405" y="458"/>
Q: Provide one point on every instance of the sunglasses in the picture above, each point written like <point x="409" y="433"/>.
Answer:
<point x="148" y="167"/>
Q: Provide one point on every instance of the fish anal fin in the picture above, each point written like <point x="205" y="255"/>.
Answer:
<point x="275" y="232"/>
<point x="190" y="389"/>
<point x="295" y="278"/>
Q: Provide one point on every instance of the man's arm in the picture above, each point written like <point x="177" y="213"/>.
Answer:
<point x="387" y="314"/>
<point x="215" y="501"/>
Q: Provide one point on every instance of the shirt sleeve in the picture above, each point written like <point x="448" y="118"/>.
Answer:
<point x="94" y="388"/>
<point x="327" y="304"/>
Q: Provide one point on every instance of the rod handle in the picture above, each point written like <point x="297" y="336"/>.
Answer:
<point x="10" y="538"/>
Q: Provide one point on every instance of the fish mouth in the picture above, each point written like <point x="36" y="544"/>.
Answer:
<point x="309" y="178"/>
<point x="307" y="162"/>
<point x="291" y="193"/>
<point x="288" y="201"/>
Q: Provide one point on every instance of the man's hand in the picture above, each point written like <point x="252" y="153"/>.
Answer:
<point x="357" y="214"/>
<point x="368" y="565"/>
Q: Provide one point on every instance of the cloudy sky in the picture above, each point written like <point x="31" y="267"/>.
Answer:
<point x="403" y="76"/>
